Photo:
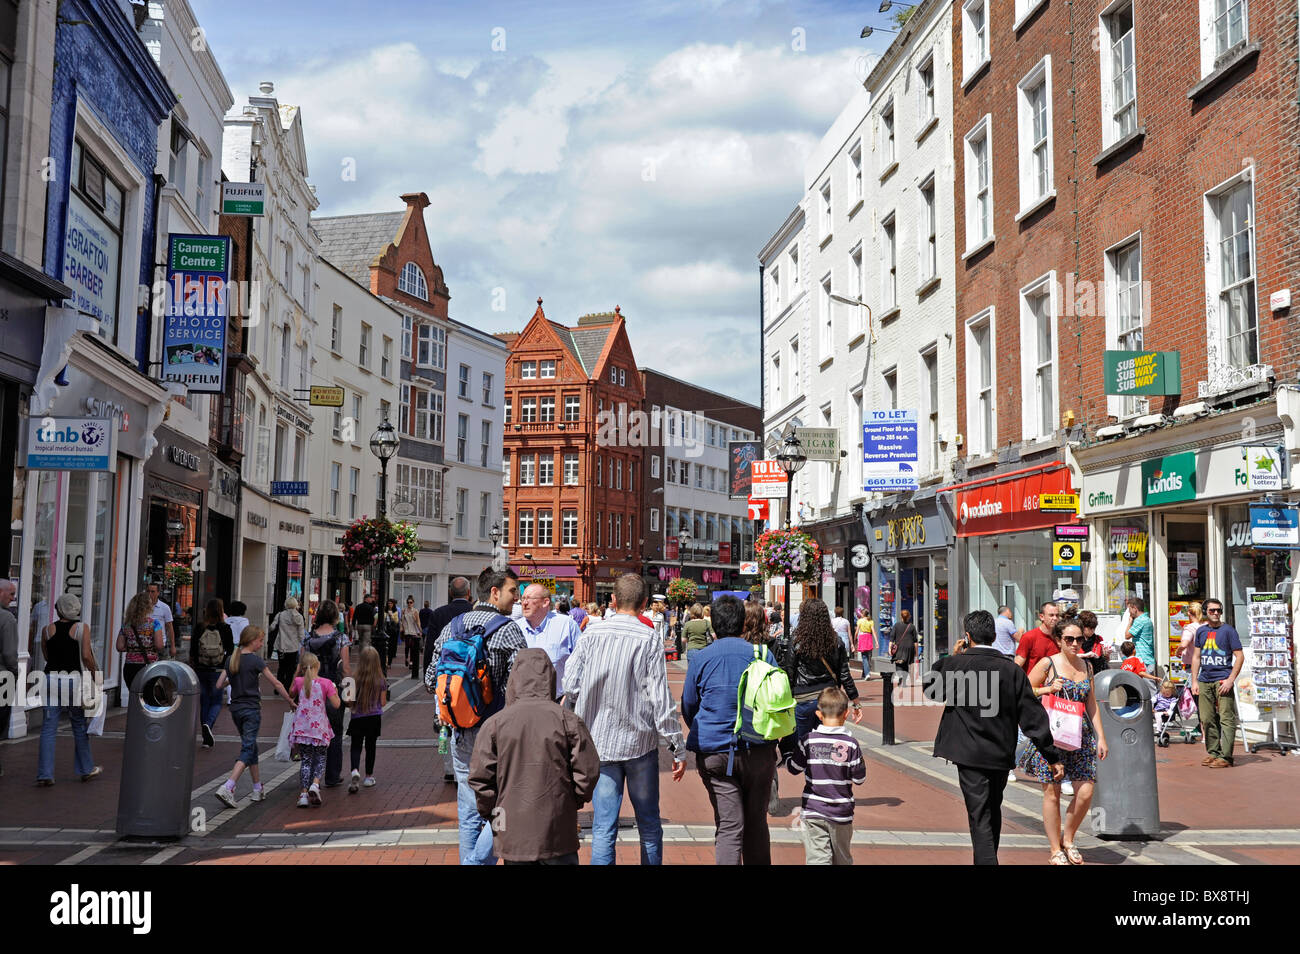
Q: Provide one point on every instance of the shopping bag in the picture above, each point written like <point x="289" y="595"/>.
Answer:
<point x="282" y="747"/>
<point x="1066" y="720"/>
<point x="96" y="724"/>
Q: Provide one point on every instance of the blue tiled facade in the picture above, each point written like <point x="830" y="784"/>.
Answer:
<point x="100" y="60"/>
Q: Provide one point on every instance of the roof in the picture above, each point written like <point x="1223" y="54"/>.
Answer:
<point x="588" y="343"/>
<point x="352" y="242"/>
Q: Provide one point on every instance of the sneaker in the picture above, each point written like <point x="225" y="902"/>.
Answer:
<point x="1067" y="787"/>
<point x="227" y="796"/>
<point x="313" y="795"/>
<point x="369" y="782"/>
<point x="449" y="777"/>
<point x="302" y="801"/>
<point x="354" y="783"/>
<point x="93" y="773"/>
<point x="208" y="740"/>
<point x="259" y="795"/>
<point x="1011" y="776"/>
<point x="45" y="782"/>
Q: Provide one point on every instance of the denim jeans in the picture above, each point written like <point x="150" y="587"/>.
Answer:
<point x="247" y="717"/>
<point x="475" y="830"/>
<point x="84" y="763"/>
<point x="642" y="777"/>
<point x="805" y="718"/>
<point x="209" y="696"/>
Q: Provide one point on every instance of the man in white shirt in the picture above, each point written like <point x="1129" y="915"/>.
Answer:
<point x="843" y="629"/>
<point x="1008" y="634"/>
<point x="543" y="628"/>
<point x="163" y="614"/>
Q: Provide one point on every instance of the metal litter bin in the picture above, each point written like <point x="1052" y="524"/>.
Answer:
<point x="1126" y="803"/>
<point x="158" y="762"/>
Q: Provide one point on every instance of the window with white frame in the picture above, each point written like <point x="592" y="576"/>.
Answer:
<point x="824" y="209"/>
<point x="1230" y="273"/>
<point x="525" y="528"/>
<point x="487" y="389"/>
<point x="403" y="413"/>
<point x="411" y="280"/>
<point x="713" y="434"/>
<point x="527" y="469"/>
<point x="930" y="405"/>
<point x="547" y="409"/>
<point x="891" y="388"/>
<point x="925" y="91"/>
<point x="431" y="347"/>
<point x="484" y="508"/>
<point x="980" y="382"/>
<point x="358" y="418"/>
<point x="571" y="469"/>
<point x="1038" y="357"/>
<point x="354" y="486"/>
<point x="1035" y="124"/>
<point x="486" y="443"/>
<point x="386" y="358"/>
<point x="600" y="471"/>
<point x="462" y="436"/>
<point x="794" y="368"/>
<point x="598" y="522"/>
<point x="825" y="319"/>
<point x="670" y="475"/>
<point x="505" y="526"/>
<point x="462" y="504"/>
<point x="855" y="174"/>
<point x="613" y="375"/>
<point x="609" y="477"/>
<point x="569" y="528"/>
<point x="462" y="382"/>
<point x="857" y="315"/>
<point x="528" y="410"/>
<point x="618" y="474"/>
<point x="505" y="470"/>
<point x="422" y="487"/>
<point x="527" y="370"/>
<point x="336" y="477"/>
<point x="888" y="262"/>
<point x="1125" y="313"/>
<point x="546" y="368"/>
<point x="509" y="409"/>
<point x="654" y="519"/>
<point x="654" y="466"/>
<point x="979" y="185"/>
<point x="285" y="351"/>
<point x="336" y="330"/>
<point x="1026" y="7"/>
<point x="775" y="279"/>
<point x="546" y="470"/>
<point x="435" y="416"/>
<point x="1118" y="73"/>
<point x="544" y="528"/>
<point x="888" y="154"/>
<point x="775" y="378"/>
<point x="793" y="268"/>
<point x="622" y="377"/>
<point x="572" y="406"/>
<point x="974" y="37"/>
<point x="363" y="352"/>
<point x="1224" y="27"/>
<point x="685" y="473"/>
<point x="421" y="398"/>
<point x="406" y="336"/>
<point x="928" y="246"/>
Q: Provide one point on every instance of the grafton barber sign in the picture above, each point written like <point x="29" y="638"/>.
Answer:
<point x="1010" y="505"/>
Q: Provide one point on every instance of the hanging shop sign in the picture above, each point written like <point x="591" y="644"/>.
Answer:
<point x="1129" y="373"/>
<point x="1010" y="505"/>
<point x="889" y="451"/>
<point x="1264" y="467"/>
<point x="759" y="509"/>
<point x="1070" y="531"/>
<point x="197" y="306"/>
<point x="1067" y="556"/>
<point x="1169" y="479"/>
<point x="740" y="456"/>
<point x="819" y="443"/>
<point x="925" y="526"/>
<point x="1276" y="528"/>
<point x="1066" y="502"/>
<point x="769" y="481"/>
<point x="321" y="396"/>
<point x="71" y="443"/>
<point x="289" y="488"/>
<point x="243" y="198"/>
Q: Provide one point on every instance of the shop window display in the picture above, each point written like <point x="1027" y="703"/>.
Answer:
<point x="1013" y="569"/>
<point x="1250" y="570"/>
<point x="1127" y="568"/>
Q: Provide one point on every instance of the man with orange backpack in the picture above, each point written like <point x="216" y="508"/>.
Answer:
<point x="471" y="667"/>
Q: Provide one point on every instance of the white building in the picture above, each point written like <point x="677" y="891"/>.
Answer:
<point x="264" y="143"/>
<point x="344" y="474"/>
<point x="871" y="230"/>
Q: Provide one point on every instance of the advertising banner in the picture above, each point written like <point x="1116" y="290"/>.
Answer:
<point x="90" y="261"/>
<point x="889" y="451"/>
<point x="71" y="443"/>
<point x="194" y="326"/>
<point x="1275" y="528"/>
<point x="1011" y="505"/>
<point x="740" y="455"/>
<point x="769" y="481"/>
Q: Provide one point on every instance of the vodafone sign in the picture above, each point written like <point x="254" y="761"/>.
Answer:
<point x="1009" y="505"/>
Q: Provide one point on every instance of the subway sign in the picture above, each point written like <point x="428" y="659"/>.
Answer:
<point x="1130" y="373"/>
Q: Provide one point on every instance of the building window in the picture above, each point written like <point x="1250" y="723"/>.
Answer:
<point x="431" y="347"/>
<point x="358" y="418"/>
<point x="889" y="263"/>
<point x="461" y="505"/>
<point x="600" y="471"/>
<point x="527" y="469"/>
<point x="571" y="469"/>
<point x="421" y="414"/>
<point x="980" y="381"/>
<point x="528" y="370"/>
<point x="857" y="318"/>
<point x="654" y="519"/>
<point x="979" y="186"/>
<point x="528" y="410"/>
<point x="525" y="528"/>
<point x="505" y="470"/>
<point x="544" y="528"/>
<point x="686" y="473"/>
<point x="925" y="91"/>
<point x="887" y="152"/>
<point x="598" y="520"/>
<point x="974" y="37"/>
<point x="1118" y="74"/>
<point x="1228" y="27"/>
<point x="699" y="476"/>
<point x="354" y="486"/>
<point x="618" y="474"/>
<point x="462" y="382"/>
<point x="670" y="475"/>
<point x="825" y="321"/>
<point x="510" y="406"/>
<point x="930" y="400"/>
<point x="793" y="255"/>
<point x="336" y="476"/>
<point x="484" y="508"/>
<point x="824" y="207"/>
<point x="776" y="289"/>
<point x="336" y="330"/>
<point x="486" y="443"/>
<point x="386" y="358"/>
<point x="855" y="173"/>
<point x="462" y="436"/>
<point x="548" y="410"/>
<point x="363" y="353"/>
<point x="505" y="526"/>
<point x="285" y="349"/>
<point x="713" y="478"/>
<point x="569" y="527"/>
<point x="403" y="413"/>
<point x="487" y="389"/>
<point x="1232" y="227"/>
<point x="572" y="402"/>
<point x="1124" y="313"/>
<point x="546" y="470"/>
<point x="1035" y="115"/>
<point x="654" y="466"/>
<point x="547" y="368"/>
<point x="891" y="388"/>
<point x="622" y="377"/>
<point x="411" y="281"/>
<point x="1024" y="8"/>
<point x="406" y="337"/>
<point x="776" y="381"/>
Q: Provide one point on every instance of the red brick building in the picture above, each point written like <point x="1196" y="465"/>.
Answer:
<point x="1125" y="179"/>
<point x="572" y="488"/>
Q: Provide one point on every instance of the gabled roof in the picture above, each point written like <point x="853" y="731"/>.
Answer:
<point x="589" y="344"/>
<point x="352" y="242"/>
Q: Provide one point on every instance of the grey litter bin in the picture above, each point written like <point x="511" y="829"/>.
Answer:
<point x="158" y="763"/>
<point x="1126" y="803"/>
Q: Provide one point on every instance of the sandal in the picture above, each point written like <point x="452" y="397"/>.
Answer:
<point x="1059" y="858"/>
<point x="1073" y="854"/>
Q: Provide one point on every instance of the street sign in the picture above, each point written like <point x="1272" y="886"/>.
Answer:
<point x="819" y="443"/>
<point x="769" y="481"/>
<point x="71" y="443"/>
<point x="1264" y="467"/>
<point x="1067" y="556"/>
<point x="321" y="396"/>
<point x="1275" y="528"/>
<point x="289" y="488"/>
<point x="759" y="509"/>
<point x="1142" y="372"/>
<point x="889" y="451"/>
<point x="197" y="303"/>
<point x="243" y="198"/>
<point x="749" y="569"/>
<point x="1068" y="502"/>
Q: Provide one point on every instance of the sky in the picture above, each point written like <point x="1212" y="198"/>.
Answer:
<point x="593" y="154"/>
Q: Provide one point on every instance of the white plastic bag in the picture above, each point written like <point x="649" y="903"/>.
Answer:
<point x="282" y="747"/>
<point x="96" y="724"/>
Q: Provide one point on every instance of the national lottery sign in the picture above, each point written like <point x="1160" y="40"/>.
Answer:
<point x="197" y="307"/>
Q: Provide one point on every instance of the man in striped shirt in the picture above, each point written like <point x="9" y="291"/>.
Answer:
<point x="831" y="759"/>
<point x="617" y="681"/>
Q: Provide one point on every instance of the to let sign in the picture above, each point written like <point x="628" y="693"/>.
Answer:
<point x="1142" y="372"/>
<point x="768" y="480"/>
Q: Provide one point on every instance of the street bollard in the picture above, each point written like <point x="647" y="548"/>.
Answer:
<point x="887" y="709"/>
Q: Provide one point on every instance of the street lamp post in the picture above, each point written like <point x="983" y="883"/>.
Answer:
<point x="383" y="444"/>
<point x="684" y="539"/>
<point x="792" y="458"/>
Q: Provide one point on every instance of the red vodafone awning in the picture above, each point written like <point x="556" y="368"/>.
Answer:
<point x="1009" y="505"/>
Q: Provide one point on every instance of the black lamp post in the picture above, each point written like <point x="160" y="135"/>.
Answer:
<point x="383" y="444"/>
<point x="684" y="540"/>
<point x="792" y="458"/>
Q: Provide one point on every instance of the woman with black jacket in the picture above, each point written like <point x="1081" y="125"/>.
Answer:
<point x="816" y="660"/>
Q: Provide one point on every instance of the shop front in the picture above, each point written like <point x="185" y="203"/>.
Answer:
<point x="1170" y="514"/>
<point x="557" y="577"/>
<point x="290" y="564"/>
<point x="1005" y="543"/>
<point x="835" y="584"/>
<point x="219" y="553"/>
<point x="910" y="545"/>
<point x="176" y="481"/>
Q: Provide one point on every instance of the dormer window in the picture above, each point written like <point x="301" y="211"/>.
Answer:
<point x="412" y="281"/>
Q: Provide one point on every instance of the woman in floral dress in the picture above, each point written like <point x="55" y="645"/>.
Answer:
<point x="1067" y="675"/>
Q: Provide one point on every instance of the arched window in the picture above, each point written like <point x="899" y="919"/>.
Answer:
<point x="412" y="281"/>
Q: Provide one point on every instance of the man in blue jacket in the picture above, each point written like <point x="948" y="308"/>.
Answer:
<point x="737" y="774"/>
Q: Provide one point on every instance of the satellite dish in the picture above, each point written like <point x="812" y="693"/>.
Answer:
<point x="403" y="508"/>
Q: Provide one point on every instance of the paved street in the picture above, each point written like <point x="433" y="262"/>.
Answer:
<point x="910" y="811"/>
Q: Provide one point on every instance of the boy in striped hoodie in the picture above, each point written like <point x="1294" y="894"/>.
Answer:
<point x="832" y="761"/>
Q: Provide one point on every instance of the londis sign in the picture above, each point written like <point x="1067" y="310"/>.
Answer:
<point x="1169" y="479"/>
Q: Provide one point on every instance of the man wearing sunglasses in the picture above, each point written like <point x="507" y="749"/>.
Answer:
<point x="1216" y="660"/>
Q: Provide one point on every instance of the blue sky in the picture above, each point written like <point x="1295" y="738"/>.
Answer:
<point x="635" y="154"/>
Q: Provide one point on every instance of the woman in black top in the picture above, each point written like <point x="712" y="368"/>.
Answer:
<point x="815" y="661"/>
<point x="69" y="662"/>
<point x="902" y="645"/>
<point x="203" y="659"/>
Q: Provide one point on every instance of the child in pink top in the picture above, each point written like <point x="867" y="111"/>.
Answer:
<point x="311" y="730"/>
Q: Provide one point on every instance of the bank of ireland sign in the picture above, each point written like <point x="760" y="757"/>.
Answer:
<point x="1169" y="479"/>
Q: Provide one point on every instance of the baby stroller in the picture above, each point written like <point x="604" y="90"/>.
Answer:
<point x="1180" y="718"/>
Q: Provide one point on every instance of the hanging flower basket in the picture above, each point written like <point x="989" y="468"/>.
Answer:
<point x="179" y="574"/>
<point x="788" y="551"/>
<point x="379" y="542"/>
<point x="682" y="591"/>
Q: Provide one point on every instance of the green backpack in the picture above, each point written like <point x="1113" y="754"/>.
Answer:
<point x="764" y="693"/>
